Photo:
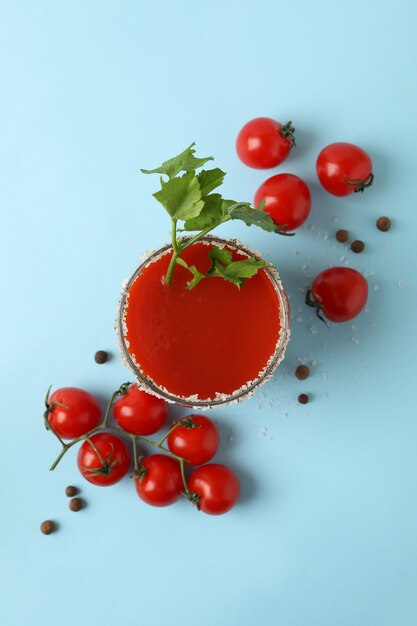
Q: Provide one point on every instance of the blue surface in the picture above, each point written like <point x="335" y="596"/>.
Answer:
<point x="326" y="531"/>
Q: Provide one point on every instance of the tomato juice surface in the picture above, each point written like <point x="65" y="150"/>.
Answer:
<point x="210" y="340"/>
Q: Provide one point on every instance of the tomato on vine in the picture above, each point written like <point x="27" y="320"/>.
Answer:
<point x="263" y="143"/>
<point x="195" y="439"/>
<point x="139" y="412"/>
<point x="72" y="412"/>
<point x="286" y="198"/>
<point x="340" y="293"/>
<point x="158" y="480"/>
<point x="103" y="459"/>
<point x="343" y="168"/>
<point x="214" y="488"/>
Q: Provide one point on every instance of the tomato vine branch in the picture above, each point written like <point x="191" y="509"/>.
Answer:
<point x="115" y="429"/>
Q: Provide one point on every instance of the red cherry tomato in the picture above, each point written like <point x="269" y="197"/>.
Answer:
<point x="215" y="488"/>
<point x="113" y="464"/>
<point x="343" y="168"/>
<point x="72" y="412"/>
<point x="287" y="200"/>
<point x="139" y="412"/>
<point x="161" y="484"/>
<point x="264" y="143"/>
<point x="339" y="292"/>
<point x="196" y="439"/>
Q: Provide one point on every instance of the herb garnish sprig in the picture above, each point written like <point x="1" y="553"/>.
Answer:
<point x="187" y="197"/>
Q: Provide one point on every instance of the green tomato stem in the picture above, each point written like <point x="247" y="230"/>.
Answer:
<point x="102" y="461"/>
<point x="173" y="427"/>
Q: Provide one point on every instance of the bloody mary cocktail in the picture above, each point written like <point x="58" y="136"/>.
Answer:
<point x="207" y="346"/>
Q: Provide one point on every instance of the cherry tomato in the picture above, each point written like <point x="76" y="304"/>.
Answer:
<point x="161" y="483"/>
<point x="339" y="292"/>
<point x="287" y="200"/>
<point x="264" y="143"/>
<point x="343" y="168"/>
<point x="196" y="439"/>
<point x="139" y="412"/>
<point x="215" y="488"/>
<point x="72" y="412"/>
<point x="113" y="464"/>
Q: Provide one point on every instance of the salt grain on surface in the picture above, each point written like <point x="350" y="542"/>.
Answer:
<point x="263" y="432"/>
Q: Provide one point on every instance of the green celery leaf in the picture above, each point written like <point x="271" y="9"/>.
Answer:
<point x="258" y="217"/>
<point x="210" y="179"/>
<point x="220" y="254"/>
<point x="181" y="197"/>
<point x="237" y="271"/>
<point x="210" y="214"/>
<point x="233" y="271"/>
<point x="183" y="162"/>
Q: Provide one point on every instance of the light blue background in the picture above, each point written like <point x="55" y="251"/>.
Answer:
<point x="326" y="531"/>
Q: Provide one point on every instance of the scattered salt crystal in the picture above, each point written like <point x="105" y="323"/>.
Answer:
<point x="335" y="220"/>
<point x="326" y="236"/>
<point x="299" y="319"/>
<point x="370" y="273"/>
<point x="376" y="287"/>
<point x="263" y="432"/>
<point x="355" y="340"/>
<point x="387" y="246"/>
<point x="315" y="362"/>
<point x="324" y="375"/>
<point x="313" y="330"/>
<point x="400" y="284"/>
<point x="353" y="327"/>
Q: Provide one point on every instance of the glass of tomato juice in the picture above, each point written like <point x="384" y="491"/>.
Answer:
<point x="208" y="346"/>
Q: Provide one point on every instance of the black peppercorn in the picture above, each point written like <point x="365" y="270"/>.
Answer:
<point x="75" y="504"/>
<point x="342" y="235"/>
<point x="48" y="527"/>
<point x="302" y="372"/>
<point x="303" y="398"/>
<point x="383" y="223"/>
<point x="101" y="356"/>
<point x="357" y="246"/>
